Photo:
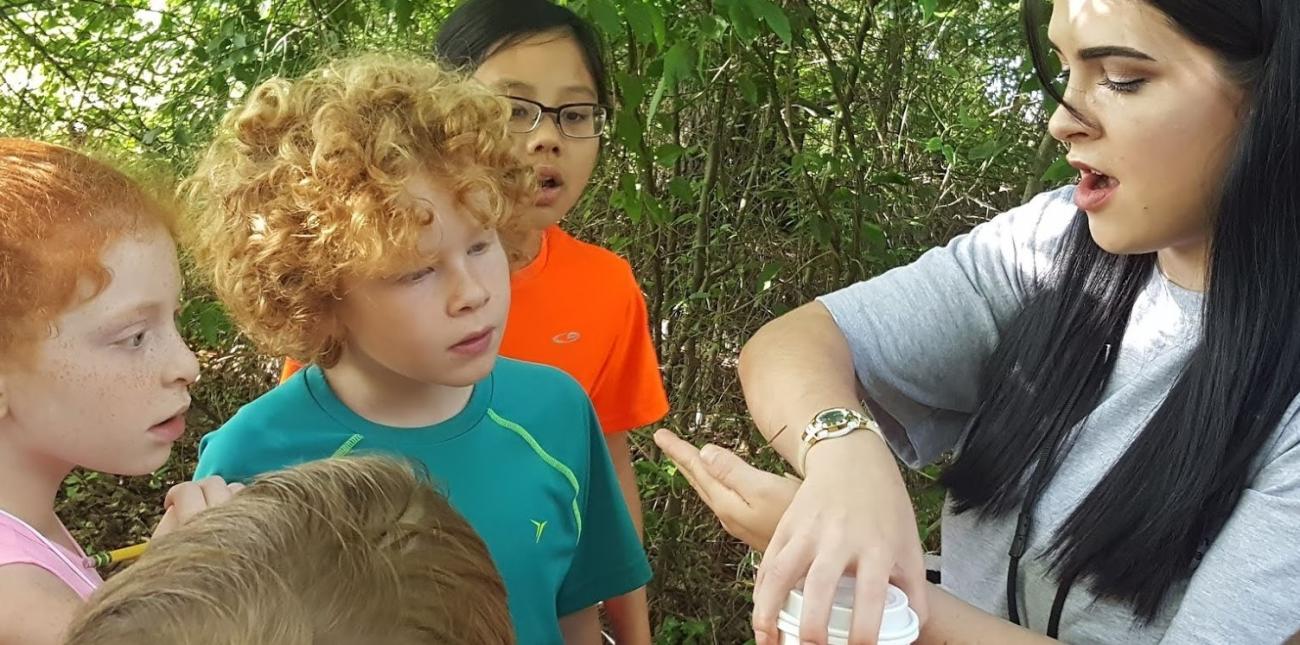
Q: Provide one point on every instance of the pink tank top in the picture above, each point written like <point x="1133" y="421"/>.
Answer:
<point x="22" y="544"/>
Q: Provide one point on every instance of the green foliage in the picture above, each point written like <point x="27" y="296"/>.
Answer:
<point x="762" y="152"/>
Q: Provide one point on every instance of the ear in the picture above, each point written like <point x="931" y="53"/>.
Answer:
<point x="4" y="398"/>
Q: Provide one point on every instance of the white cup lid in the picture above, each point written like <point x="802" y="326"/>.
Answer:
<point x="899" y="625"/>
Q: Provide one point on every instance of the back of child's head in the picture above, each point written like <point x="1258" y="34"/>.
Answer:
<point x="59" y="209"/>
<point x="478" y="28"/>
<point x="305" y="186"/>
<point x="352" y="550"/>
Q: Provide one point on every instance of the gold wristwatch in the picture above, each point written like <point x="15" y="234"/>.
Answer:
<point x="832" y="424"/>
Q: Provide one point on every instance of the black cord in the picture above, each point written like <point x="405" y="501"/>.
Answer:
<point x="1014" y="554"/>
<point x="1038" y="482"/>
<point x="1013" y="603"/>
<point x="1024" y="523"/>
<point x="1058" y="605"/>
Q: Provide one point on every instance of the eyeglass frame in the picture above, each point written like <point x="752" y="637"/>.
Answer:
<point x="546" y="109"/>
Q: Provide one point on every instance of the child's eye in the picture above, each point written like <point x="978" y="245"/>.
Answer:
<point x="416" y="276"/>
<point x="480" y="248"/>
<point x="134" y="341"/>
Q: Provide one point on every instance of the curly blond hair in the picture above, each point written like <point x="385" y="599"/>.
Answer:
<point x="351" y="550"/>
<point x="304" y="186"/>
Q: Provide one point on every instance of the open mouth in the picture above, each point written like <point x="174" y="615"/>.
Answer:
<point x="1097" y="180"/>
<point x="1095" y="188"/>
<point x="171" y="428"/>
<point x="549" y="186"/>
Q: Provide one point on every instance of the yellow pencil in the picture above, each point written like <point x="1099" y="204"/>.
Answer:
<point x="103" y="559"/>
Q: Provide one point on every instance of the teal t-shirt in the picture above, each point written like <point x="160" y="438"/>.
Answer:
<point x="524" y="462"/>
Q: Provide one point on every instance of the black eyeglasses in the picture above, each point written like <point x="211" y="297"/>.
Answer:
<point x="576" y="120"/>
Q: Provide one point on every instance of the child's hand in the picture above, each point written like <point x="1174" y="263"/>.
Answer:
<point x="748" y="501"/>
<point x="185" y="500"/>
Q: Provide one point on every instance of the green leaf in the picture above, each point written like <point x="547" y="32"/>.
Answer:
<point x="633" y="89"/>
<point x="806" y="161"/>
<point x="658" y="97"/>
<point x="820" y="230"/>
<point x="711" y="26"/>
<point x="1059" y="172"/>
<point x="631" y="197"/>
<point x="985" y="150"/>
<point x="928" y="7"/>
<point x="874" y="235"/>
<point x="749" y="89"/>
<point x="742" y="20"/>
<point x="642" y="21"/>
<point x="628" y="129"/>
<point x="661" y="27"/>
<point x="934" y="144"/>
<point x="768" y="275"/>
<point x="207" y="320"/>
<point x="679" y="63"/>
<point x="605" y="15"/>
<point x="680" y="188"/>
<point x="895" y="178"/>
<point x="403" y="10"/>
<point x="774" y="17"/>
<point x="668" y="154"/>
<point x="657" y="211"/>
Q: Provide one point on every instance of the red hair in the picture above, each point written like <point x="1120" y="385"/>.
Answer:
<point x="58" y="210"/>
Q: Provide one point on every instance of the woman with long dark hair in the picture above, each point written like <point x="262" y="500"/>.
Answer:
<point x="1115" y="367"/>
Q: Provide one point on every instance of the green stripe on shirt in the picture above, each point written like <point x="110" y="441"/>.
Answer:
<point x="546" y="457"/>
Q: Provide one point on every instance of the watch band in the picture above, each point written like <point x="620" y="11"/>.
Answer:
<point x="809" y="439"/>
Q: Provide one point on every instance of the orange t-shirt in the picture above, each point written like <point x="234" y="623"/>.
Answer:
<point x="579" y="308"/>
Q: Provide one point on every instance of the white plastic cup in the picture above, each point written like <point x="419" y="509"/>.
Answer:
<point x="899" y="625"/>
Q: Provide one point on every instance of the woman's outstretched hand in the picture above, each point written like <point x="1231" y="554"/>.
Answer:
<point x="749" y="502"/>
<point x="852" y="515"/>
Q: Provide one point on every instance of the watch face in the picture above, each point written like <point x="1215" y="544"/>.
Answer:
<point x="834" y="418"/>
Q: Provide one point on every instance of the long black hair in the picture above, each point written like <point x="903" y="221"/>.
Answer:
<point x="1142" y="529"/>
<point x="477" y="28"/>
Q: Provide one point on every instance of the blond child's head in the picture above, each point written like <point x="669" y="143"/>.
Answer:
<point x="355" y="213"/>
<point x="93" y="371"/>
<point x="341" y="551"/>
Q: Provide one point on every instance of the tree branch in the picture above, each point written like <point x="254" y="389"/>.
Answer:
<point x="40" y="48"/>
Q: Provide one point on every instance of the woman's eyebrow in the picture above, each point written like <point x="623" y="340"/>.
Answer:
<point x="1113" y="51"/>
<point x="1107" y="51"/>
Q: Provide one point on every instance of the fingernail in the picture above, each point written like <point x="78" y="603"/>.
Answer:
<point x="709" y="453"/>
